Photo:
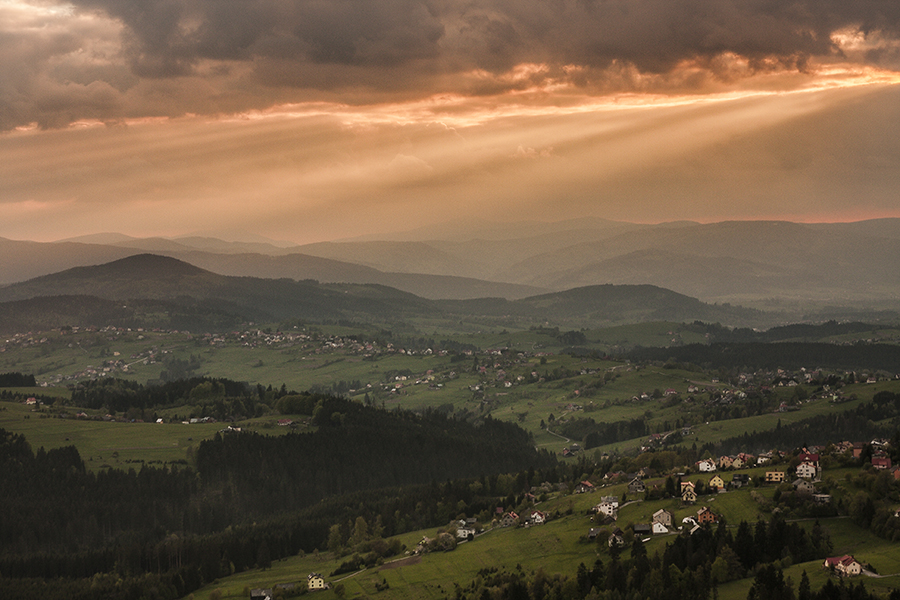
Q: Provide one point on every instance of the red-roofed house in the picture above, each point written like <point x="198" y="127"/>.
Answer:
<point x="881" y="462"/>
<point x="845" y="565"/>
<point x="584" y="487"/>
<point x="809" y="457"/>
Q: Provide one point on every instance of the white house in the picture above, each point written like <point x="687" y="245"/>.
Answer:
<point x="607" y="508"/>
<point x="314" y="581"/>
<point x="807" y="470"/>
<point x="659" y="528"/>
<point x="614" y="500"/>
<point x="706" y="466"/>
<point x="537" y="518"/>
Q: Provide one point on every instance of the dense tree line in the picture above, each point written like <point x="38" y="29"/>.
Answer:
<point x="120" y="395"/>
<point x="16" y="380"/>
<point x="878" y="418"/>
<point x="593" y="434"/>
<point x="357" y="447"/>
<point x="786" y="355"/>
<point x="174" y="529"/>
<point x="794" y="331"/>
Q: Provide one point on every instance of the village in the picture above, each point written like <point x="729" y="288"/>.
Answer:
<point x="802" y="469"/>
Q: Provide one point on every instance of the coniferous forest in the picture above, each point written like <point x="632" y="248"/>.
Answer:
<point x="174" y="528"/>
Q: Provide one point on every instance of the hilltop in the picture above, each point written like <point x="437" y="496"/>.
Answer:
<point x="765" y="264"/>
<point x="148" y="277"/>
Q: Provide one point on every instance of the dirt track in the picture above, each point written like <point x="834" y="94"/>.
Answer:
<point x="403" y="562"/>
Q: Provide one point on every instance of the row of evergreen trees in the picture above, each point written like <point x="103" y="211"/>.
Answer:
<point x="251" y="499"/>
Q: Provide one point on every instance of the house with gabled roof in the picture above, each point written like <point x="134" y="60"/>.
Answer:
<point x="616" y="538"/>
<point x="726" y="462"/>
<point x="716" y="483"/>
<point x="537" y="518"/>
<point x="704" y="516"/>
<point x="809" y="457"/>
<point x="843" y="565"/>
<point x="706" y="466"/>
<point x="803" y="486"/>
<point x="688" y="494"/>
<point x="584" y="487"/>
<point x="664" y="517"/>
<point x="636" y="486"/>
<point x="509" y="519"/>
<point x="314" y="581"/>
<point x="807" y="470"/>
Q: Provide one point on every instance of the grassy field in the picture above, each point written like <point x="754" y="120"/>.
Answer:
<point x="592" y="388"/>
<point x="115" y="444"/>
<point x="558" y="547"/>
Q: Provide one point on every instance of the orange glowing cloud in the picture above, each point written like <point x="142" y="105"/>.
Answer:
<point x="111" y="60"/>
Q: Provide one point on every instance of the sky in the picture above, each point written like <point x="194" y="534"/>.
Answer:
<point x="310" y="120"/>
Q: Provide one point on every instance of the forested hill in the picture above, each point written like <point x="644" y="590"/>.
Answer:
<point x="358" y="448"/>
<point x="243" y="478"/>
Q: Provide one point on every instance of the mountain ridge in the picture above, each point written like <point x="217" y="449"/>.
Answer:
<point x="743" y="262"/>
<point x="153" y="278"/>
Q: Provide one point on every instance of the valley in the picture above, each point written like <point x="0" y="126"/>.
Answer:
<point x="281" y="427"/>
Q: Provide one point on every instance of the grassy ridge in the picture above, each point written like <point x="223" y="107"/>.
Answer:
<point x="558" y="547"/>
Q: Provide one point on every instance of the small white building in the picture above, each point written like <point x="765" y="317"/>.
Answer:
<point x="706" y="466"/>
<point x="607" y="508"/>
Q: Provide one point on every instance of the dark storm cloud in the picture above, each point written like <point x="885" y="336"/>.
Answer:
<point x="652" y="34"/>
<point x="252" y="53"/>
<point x="171" y="35"/>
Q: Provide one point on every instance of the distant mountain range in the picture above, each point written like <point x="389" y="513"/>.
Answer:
<point x="740" y="261"/>
<point x="760" y="263"/>
<point x="152" y="290"/>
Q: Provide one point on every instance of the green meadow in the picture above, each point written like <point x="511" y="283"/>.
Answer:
<point x="103" y="444"/>
<point x="558" y="547"/>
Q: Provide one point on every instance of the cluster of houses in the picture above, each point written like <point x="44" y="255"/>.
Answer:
<point x="663" y="521"/>
<point x="466" y="529"/>
<point x="808" y="472"/>
<point x="511" y="519"/>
